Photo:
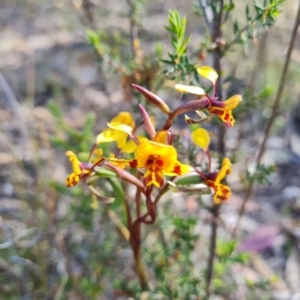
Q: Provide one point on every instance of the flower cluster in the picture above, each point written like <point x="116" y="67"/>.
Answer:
<point x="152" y="156"/>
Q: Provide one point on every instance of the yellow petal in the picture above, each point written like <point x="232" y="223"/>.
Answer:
<point x="178" y="169"/>
<point x="98" y="155"/>
<point x="153" y="177"/>
<point x="232" y="102"/>
<point x="222" y="193"/>
<point x="161" y="137"/>
<point x="122" y="123"/>
<point x="108" y="135"/>
<point x="121" y="142"/>
<point x="120" y="163"/>
<point x="208" y="73"/>
<point x="201" y="138"/>
<point x="189" y="89"/>
<point x="152" y="118"/>
<point x="131" y="146"/>
<point x="146" y="148"/>
<point x="74" y="161"/>
<point x="225" y="169"/>
<point x="123" y="118"/>
<point x="120" y="127"/>
<point x="72" y="180"/>
<point x="185" y="168"/>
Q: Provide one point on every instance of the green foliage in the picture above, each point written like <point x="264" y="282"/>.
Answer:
<point x="180" y="67"/>
<point x="264" y="16"/>
<point x="261" y="174"/>
<point x="176" y="29"/>
<point x="93" y="244"/>
<point x="68" y="136"/>
<point x="226" y="253"/>
<point x="171" y="260"/>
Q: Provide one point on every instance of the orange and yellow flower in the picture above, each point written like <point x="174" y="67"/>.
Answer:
<point x="221" y="109"/>
<point x="224" y="109"/>
<point x="80" y="170"/>
<point x="213" y="180"/>
<point x="158" y="160"/>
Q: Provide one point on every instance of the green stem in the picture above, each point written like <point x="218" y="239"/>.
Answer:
<point x="140" y="266"/>
<point x="136" y="241"/>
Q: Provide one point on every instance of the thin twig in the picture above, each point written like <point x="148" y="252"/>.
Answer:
<point x="216" y="34"/>
<point x="233" y="41"/>
<point x="203" y="5"/>
<point x="238" y="35"/>
<point x="163" y="190"/>
<point x="212" y="248"/>
<point x="133" y="27"/>
<point x="275" y="109"/>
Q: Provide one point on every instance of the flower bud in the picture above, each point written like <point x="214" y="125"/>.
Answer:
<point x="154" y="99"/>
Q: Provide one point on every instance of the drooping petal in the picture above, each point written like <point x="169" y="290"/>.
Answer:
<point x="213" y="180"/>
<point x="222" y="193"/>
<point x="74" y="161"/>
<point x="154" y="177"/>
<point x="190" y="89"/>
<point x="225" y="169"/>
<point x="72" y="179"/>
<point x="224" y="115"/>
<point x="201" y="138"/>
<point x="208" y="73"/>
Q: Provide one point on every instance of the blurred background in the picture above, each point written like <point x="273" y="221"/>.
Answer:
<point x="57" y="92"/>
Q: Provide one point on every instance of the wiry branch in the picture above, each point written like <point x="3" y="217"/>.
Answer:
<point x="275" y="110"/>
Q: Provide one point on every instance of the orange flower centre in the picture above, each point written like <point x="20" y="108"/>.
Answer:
<point x="154" y="162"/>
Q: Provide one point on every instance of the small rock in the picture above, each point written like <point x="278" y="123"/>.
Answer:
<point x="291" y="192"/>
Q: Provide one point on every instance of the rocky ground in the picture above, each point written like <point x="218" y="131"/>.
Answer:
<point x="45" y="57"/>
